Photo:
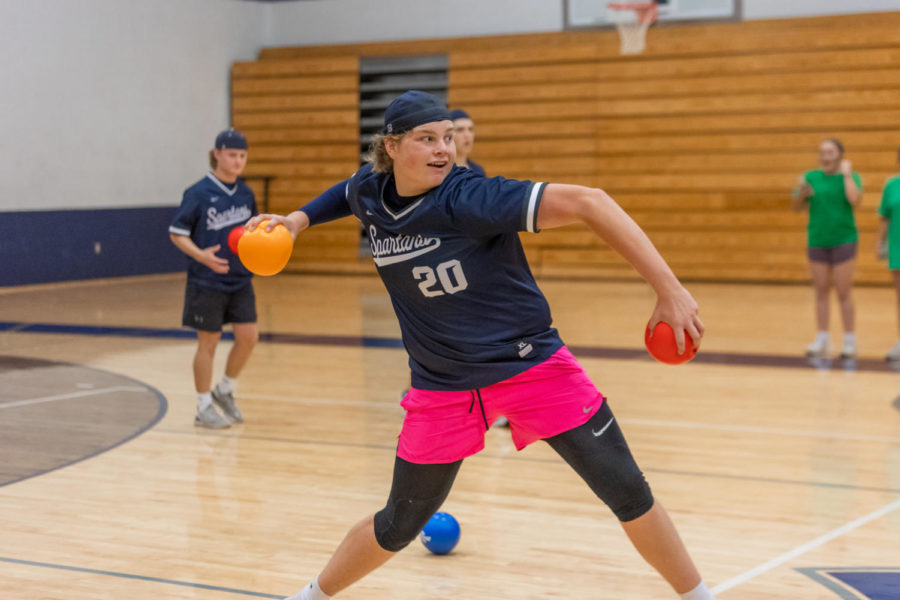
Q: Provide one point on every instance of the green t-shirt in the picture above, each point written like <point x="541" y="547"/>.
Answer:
<point x="890" y="211"/>
<point x="831" y="221"/>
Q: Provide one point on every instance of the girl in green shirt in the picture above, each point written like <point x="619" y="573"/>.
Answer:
<point x="889" y="240"/>
<point x="830" y="193"/>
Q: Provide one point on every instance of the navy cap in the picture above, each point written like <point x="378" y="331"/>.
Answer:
<point x="231" y="138"/>
<point x="459" y="114"/>
<point x="411" y="109"/>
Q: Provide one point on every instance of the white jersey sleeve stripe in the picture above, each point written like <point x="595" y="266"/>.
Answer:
<point x="178" y="230"/>
<point x="347" y="187"/>
<point x="537" y="191"/>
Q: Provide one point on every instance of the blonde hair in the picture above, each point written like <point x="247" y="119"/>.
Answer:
<point x="378" y="155"/>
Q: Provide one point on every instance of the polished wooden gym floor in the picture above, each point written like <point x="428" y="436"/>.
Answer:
<point x="783" y="477"/>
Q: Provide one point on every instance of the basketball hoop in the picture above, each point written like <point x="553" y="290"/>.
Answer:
<point x="632" y="19"/>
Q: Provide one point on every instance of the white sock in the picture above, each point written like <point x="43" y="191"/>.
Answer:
<point x="203" y="400"/>
<point x="701" y="592"/>
<point x="310" y="592"/>
<point x="850" y="338"/>
<point x="822" y="336"/>
<point x="228" y="384"/>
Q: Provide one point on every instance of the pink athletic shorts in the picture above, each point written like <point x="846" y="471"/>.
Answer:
<point x="547" y="399"/>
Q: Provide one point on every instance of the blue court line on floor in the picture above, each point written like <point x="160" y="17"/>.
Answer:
<point x="202" y="586"/>
<point x="823" y="576"/>
<point x="733" y="359"/>
<point x="162" y="408"/>
<point x="393" y="448"/>
<point x="96" y="330"/>
<point x="818" y="577"/>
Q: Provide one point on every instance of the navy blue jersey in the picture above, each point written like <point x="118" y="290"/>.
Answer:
<point x="470" y="311"/>
<point x="476" y="168"/>
<point x="209" y="210"/>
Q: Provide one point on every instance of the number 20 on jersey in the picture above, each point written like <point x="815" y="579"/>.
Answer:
<point x="447" y="278"/>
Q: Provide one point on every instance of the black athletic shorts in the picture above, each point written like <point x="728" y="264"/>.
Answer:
<point x="207" y="309"/>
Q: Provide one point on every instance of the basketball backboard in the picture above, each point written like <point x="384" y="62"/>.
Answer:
<point x="593" y="13"/>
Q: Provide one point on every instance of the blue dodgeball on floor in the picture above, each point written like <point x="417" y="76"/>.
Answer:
<point x="441" y="533"/>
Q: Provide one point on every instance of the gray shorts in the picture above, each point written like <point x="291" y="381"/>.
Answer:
<point x="834" y="255"/>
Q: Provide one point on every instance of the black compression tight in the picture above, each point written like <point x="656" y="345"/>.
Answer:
<point x="416" y="493"/>
<point x="596" y="450"/>
<point x="599" y="453"/>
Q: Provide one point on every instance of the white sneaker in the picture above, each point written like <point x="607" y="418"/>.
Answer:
<point x="225" y="401"/>
<point x="818" y="349"/>
<point x="848" y="350"/>
<point x="893" y="354"/>
<point x="209" y="418"/>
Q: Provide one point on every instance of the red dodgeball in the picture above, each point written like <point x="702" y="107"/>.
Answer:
<point x="234" y="236"/>
<point x="663" y="348"/>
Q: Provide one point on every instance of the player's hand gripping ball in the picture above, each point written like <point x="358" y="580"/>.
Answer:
<point x="234" y="236"/>
<point x="662" y="345"/>
<point x="441" y="533"/>
<point x="265" y="252"/>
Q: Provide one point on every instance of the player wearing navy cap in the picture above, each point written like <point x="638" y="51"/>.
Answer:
<point x="219" y="289"/>
<point x="478" y="332"/>
<point x="464" y="138"/>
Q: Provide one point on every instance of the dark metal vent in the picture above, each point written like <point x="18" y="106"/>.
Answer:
<point x="381" y="79"/>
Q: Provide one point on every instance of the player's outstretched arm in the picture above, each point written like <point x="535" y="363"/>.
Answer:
<point x="563" y="205"/>
<point x="328" y="206"/>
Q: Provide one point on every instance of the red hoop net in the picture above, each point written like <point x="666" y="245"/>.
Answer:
<point x="632" y="19"/>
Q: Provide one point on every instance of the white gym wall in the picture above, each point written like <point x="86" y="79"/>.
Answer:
<point x="112" y="103"/>
<point x="774" y="9"/>
<point x="348" y="21"/>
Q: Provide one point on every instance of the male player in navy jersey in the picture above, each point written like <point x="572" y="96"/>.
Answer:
<point x="219" y="288"/>
<point x="479" y="336"/>
<point x="464" y="138"/>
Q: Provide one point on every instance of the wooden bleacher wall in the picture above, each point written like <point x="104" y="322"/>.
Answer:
<point x="701" y="138"/>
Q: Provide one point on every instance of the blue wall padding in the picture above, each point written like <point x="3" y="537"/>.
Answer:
<point x="59" y="245"/>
